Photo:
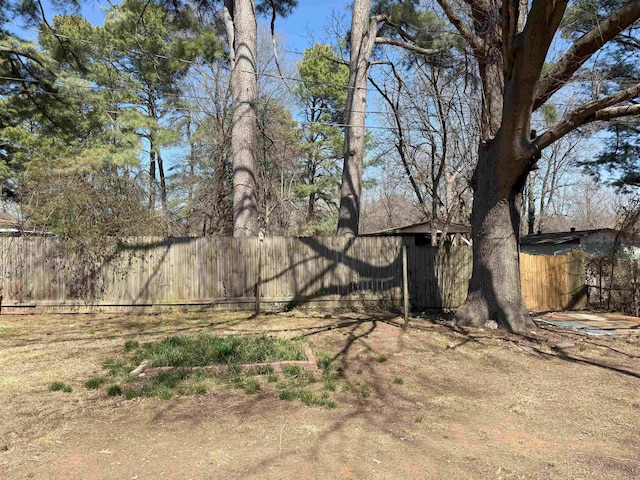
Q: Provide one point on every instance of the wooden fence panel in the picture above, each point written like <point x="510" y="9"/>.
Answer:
<point x="438" y="278"/>
<point x="553" y="282"/>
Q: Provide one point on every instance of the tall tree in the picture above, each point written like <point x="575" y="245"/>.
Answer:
<point x="510" y="62"/>
<point x="240" y="18"/>
<point x="363" y="34"/>
<point x="395" y="24"/>
<point x="138" y="57"/>
<point x="323" y="97"/>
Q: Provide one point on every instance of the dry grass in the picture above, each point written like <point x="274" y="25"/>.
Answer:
<point x="471" y="404"/>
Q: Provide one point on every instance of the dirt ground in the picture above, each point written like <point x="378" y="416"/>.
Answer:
<point x="472" y="404"/>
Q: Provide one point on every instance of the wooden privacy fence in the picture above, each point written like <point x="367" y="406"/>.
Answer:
<point x="149" y="272"/>
<point x="37" y="274"/>
<point x="553" y="282"/>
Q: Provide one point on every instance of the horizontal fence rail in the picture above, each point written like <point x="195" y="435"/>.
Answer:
<point x="41" y="274"/>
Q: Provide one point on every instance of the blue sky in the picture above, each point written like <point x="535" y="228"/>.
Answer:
<point x="308" y="18"/>
<point x="311" y="16"/>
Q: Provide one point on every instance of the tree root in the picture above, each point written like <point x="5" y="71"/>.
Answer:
<point x="476" y="311"/>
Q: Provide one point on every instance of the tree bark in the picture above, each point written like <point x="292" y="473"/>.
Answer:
<point x="244" y="131"/>
<point x="363" y="33"/>
<point x="531" y="204"/>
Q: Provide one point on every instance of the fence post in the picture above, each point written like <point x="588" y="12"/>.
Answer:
<point x="259" y="282"/>
<point x="405" y="285"/>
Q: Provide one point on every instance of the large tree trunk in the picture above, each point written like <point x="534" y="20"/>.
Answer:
<point x="494" y="288"/>
<point x="363" y="33"/>
<point x="244" y="132"/>
<point x="499" y="179"/>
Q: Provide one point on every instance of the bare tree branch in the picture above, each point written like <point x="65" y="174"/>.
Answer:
<point x="275" y="46"/>
<point x="406" y="46"/>
<point x="583" y="49"/>
<point x="510" y="17"/>
<point x="400" y="145"/>
<point x="601" y="109"/>
<point x="476" y="42"/>
<point x="617" y="112"/>
<point x="230" y="30"/>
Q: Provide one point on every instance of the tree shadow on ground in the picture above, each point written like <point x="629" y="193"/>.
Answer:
<point x="550" y="343"/>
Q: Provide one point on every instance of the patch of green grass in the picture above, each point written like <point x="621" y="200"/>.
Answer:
<point x="288" y="394"/>
<point x="330" y="384"/>
<point x="158" y="391"/>
<point x="251" y="386"/>
<point x="208" y="349"/>
<point x="60" y="387"/>
<point x="200" y="374"/>
<point x="170" y="378"/>
<point x="383" y="358"/>
<point x="130" y="345"/>
<point x="398" y="380"/>
<point x="365" y="390"/>
<point x="94" y="382"/>
<point x="292" y="371"/>
<point x="114" y="390"/>
<point x="306" y="396"/>
<point x="359" y="371"/>
<point x="116" y="367"/>
<point x="234" y="377"/>
<point x="327" y="365"/>
<point x="297" y="374"/>
<point x="325" y="362"/>
<point x="163" y="385"/>
<point x="326" y="401"/>
<point x="419" y="418"/>
<point x="92" y="332"/>
<point x="205" y="349"/>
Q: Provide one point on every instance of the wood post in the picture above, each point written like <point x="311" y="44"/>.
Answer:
<point x="405" y="285"/>
<point x="259" y="282"/>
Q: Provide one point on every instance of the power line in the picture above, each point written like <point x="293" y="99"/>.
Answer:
<point x="193" y="97"/>
<point x="309" y="123"/>
<point x="178" y="96"/>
